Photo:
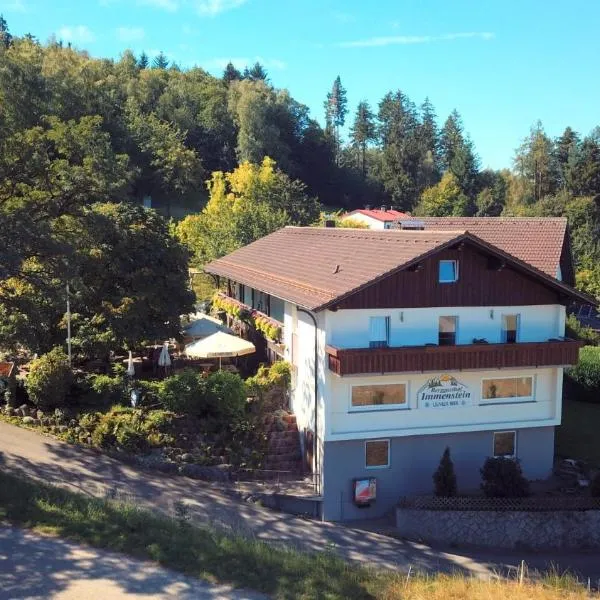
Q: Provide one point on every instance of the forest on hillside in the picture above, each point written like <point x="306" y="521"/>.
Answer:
<point x="85" y="142"/>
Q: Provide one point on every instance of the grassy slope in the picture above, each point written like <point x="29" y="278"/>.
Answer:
<point x="220" y="557"/>
<point x="578" y="436"/>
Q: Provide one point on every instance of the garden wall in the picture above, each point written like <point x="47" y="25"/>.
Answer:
<point x="532" y="523"/>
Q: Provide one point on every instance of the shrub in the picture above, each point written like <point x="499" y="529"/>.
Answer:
<point x="444" y="478"/>
<point x="575" y="329"/>
<point x="150" y="391"/>
<point x="503" y="478"/>
<point x="183" y="393"/>
<point x="595" y="486"/>
<point x="584" y="377"/>
<point x="107" y="389"/>
<point x="158" y="420"/>
<point x="131" y="440"/>
<point x="49" y="379"/>
<point x="225" y="396"/>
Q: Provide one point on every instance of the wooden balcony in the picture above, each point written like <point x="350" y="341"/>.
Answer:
<point x="415" y="359"/>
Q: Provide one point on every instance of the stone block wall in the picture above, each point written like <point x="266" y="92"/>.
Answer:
<point x="561" y="529"/>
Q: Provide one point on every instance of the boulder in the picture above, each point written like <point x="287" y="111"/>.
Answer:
<point x="28" y="420"/>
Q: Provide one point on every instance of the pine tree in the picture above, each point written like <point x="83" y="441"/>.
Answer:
<point x="336" y="108"/>
<point x="160" y="61"/>
<point x="5" y="36"/>
<point x="231" y="73"/>
<point x="362" y="132"/>
<point x="457" y="155"/>
<point x="143" y="61"/>
<point x="444" y="479"/>
<point x="400" y="149"/>
<point x="566" y="160"/>
<point x="256" y="73"/>
<point x="428" y="135"/>
<point x="534" y="162"/>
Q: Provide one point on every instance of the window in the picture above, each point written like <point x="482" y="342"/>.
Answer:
<point x="510" y="329"/>
<point x="507" y="388"/>
<point x="447" y="336"/>
<point x="374" y="396"/>
<point x="448" y="271"/>
<point x="377" y="454"/>
<point x="379" y="332"/>
<point x="505" y="444"/>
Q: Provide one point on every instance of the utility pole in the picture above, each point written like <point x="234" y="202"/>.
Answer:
<point x="68" y="325"/>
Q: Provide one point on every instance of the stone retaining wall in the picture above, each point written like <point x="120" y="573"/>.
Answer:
<point x="561" y="529"/>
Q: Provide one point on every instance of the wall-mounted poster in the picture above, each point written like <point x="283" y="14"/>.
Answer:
<point x="365" y="491"/>
<point x="444" y="391"/>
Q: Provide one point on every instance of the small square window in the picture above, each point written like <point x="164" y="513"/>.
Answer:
<point x="377" y="454"/>
<point x="448" y="271"/>
<point x="505" y="444"/>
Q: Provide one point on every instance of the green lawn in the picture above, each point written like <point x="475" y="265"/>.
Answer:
<point x="579" y="435"/>
<point x="282" y="573"/>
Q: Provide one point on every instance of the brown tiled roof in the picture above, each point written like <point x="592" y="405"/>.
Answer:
<point x="313" y="267"/>
<point x="6" y="369"/>
<point x="536" y="241"/>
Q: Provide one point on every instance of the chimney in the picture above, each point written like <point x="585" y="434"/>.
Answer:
<point x="384" y="208"/>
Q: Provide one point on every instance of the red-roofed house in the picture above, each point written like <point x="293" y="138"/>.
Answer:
<point x="405" y="342"/>
<point x="376" y="218"/>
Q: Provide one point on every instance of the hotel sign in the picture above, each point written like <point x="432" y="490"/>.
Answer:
<point x="444" y="391"/>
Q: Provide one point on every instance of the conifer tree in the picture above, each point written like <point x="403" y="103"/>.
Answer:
<point x="160" y="61"/>
<point x="444" y="479"/>
<point x="336" y="108"/>
<point x="143" y="61"/>
<point x="231" y="73"/>
<point x="363" y="131"/>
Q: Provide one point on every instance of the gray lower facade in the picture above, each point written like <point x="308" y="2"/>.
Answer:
<point x="413" y="460"/>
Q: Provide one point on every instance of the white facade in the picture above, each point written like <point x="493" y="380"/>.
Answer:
<point x="338" y="420"/>
<point x="370" y="222"/>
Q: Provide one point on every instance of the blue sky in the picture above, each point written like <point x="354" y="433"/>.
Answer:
<point x="502" y="64"/>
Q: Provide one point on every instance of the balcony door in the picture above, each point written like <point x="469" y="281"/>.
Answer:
<point x="447" y="331"/>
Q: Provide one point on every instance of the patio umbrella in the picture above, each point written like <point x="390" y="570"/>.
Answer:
<point x="201" y="327"/>
<point x="130" y="366"/>
<point x="164" y="360"/>
<point x="219" y="345"/>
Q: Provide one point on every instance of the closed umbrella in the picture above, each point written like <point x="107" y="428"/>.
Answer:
<point x="219" y="345"/>
<point x="130" y="365"/>
<point x="164" y="360"/>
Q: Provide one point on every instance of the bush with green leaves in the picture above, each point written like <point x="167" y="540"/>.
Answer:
<point x="49" y="380"/>
<point x="576" y="330"/>
<point x="444" y="478"/>
<point x="225" y="396"/>
<point x="108" y="390"/>
<point x="183" y="393"/>
<point x="503" y="478"/>
<point x="583" y="379"/>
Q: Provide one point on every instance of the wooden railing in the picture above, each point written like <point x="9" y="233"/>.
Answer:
<point x="354" y="361"/>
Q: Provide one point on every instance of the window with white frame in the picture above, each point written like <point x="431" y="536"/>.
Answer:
<point x="510" y="329"/>
<point x="377" y="454"/>
<point x="448" y="272"/>
<point x="379" y="332"/>
<point x="505" y="444"/>
<point x="389" y="395"/>
<point x="507" y="388"/>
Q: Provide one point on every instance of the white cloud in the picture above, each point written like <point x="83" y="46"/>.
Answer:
<point x="396" y="40"/>
<point x="241" y="62"/>
<point x="130" y="34"/>
<point x="168" y="5"/>
<point x="76" y="34"/>
<point x="13" y="6"/>
<point x="210" y="8"/>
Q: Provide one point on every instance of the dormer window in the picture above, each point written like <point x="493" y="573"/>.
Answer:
<point x="448" y="271"/>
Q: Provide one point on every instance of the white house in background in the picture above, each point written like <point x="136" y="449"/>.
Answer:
<point x="406" y="342"/>
<point x="376" y="218"/>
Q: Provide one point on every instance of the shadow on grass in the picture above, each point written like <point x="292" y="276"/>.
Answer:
<point x="199" y="551"/>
